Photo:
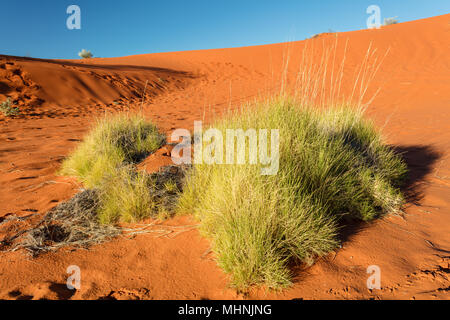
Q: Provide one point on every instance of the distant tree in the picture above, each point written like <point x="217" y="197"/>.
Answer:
<point x="85" y="54"/>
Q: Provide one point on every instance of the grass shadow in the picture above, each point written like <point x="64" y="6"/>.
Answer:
<point x="420" y="160"/>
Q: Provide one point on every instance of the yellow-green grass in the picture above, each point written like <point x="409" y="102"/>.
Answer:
<point x="131" y="196"/>
<point x="114" y="141"/>
<point x="125" y="196"/>
<point x="333" y="164"/>
<point x="105" y="161"/>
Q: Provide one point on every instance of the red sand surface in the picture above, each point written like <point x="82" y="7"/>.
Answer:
<point x="60" y="98"/>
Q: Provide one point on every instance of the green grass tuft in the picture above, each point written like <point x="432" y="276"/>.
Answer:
<point x="105" y="161"/>
<point x="125" y="196"/>
<point x="130" y="196"/>
<point x="333" y="164"/>
<point x="113" y="142"/>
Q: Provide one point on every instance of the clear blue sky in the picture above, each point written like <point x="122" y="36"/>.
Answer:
<point x="118" y="28"/>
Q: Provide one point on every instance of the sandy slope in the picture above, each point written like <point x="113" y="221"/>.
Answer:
<point x="58" y="100"/>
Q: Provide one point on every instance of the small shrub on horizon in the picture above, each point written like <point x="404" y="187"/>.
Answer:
<point x="85" y="54"/>
<point x="390" y="21"/>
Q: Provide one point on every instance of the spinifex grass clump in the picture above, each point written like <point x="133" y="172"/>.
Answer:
<point x="106" y="160"/>
<point x="113" y="142"/>
<point x="130" y="196"/>
<point x="89" y="217"/>
<point x="333" y="164"/>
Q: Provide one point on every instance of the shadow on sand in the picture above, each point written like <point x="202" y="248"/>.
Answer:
<point x="420" y="160"/>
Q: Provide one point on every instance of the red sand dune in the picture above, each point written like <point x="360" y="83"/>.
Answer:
<point x="59" y="98"/>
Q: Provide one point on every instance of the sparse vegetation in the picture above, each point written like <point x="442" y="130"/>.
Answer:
<point x="90" y="217"/>
<point x="72" y="223"/>
<point x="130" y="196"/>
<point x="389" y="21"/>
<point x="105" y="161"/>
<point x="8" y="109"/>
<point x="333" y="166"/>
<point x="85" y="54"/>
<point x="114" y="141"/>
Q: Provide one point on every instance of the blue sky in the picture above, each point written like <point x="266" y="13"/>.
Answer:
<point x="118" y="28"/>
